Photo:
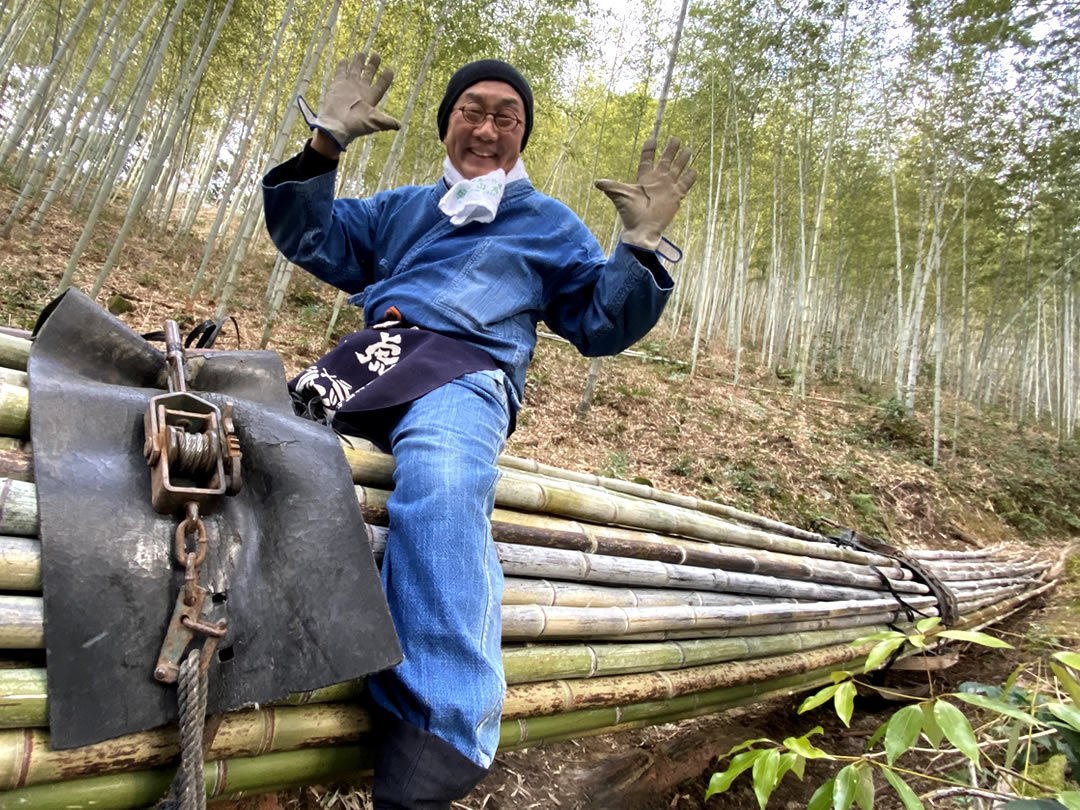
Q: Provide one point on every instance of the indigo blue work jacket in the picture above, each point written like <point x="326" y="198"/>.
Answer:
<point x="487" y="284"/>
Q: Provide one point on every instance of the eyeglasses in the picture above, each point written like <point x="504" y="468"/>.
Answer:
<point x="475" y="116"/>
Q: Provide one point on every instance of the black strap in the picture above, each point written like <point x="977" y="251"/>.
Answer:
<point x="948" y="607"/>
<point x="203" y="336"/>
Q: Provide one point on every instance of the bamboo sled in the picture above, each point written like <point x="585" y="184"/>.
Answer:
<point x="623" y="606"/>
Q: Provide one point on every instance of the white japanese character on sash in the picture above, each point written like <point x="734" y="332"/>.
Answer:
<point x="333" y="391"/>
<point x="382" y="356"/>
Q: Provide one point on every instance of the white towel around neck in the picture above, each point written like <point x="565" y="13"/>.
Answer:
<point x="476" y="200"/>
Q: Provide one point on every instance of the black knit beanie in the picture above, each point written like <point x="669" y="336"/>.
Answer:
<point x="483" y="70"/>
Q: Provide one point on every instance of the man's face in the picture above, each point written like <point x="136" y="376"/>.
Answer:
<point x="477" y="149"/>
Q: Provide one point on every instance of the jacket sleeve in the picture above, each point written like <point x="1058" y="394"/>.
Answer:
<point x="603" y="306"/>
<point x="331" y="239"/>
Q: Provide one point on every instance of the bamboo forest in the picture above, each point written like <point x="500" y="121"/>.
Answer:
<point x="888" y="188"/>
<point x="855" y="419"/>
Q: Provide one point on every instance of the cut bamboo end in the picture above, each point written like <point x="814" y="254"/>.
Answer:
<point x="14" y="352"/>
<point x="14" y="410"/>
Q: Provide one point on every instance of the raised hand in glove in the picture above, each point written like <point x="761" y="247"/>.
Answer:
<point x="348" y="111"/>
<point x="648" y="206"/>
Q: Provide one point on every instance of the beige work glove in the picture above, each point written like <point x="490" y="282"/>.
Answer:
<point x="648" y="206"/>
<point x="349" y="109"/>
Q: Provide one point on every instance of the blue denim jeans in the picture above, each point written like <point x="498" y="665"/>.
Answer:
<point x="440" y="570"/>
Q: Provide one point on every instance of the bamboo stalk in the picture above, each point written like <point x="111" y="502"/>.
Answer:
<point x="121" y="791"/>
<point x="839" y="623"/>
<point x="27" y="759"/>
<point x="22" y="623"/>
<point x="516" y="733"/>
<point x="18" y="508"/>
<point x="24" y="697"/>
<point x="528" y="591"/>
<point x="14" y="352"/>
<point x="20" y="564"/>
<point x="518" y="492"/>
<point x="547" y="662"/>
<point x="647" y="492"/>
<point x="540" y="621"/>
<point x="583" y="567"/>
<point x="15" y="462"/>
<point x="14" y="410"/>
<point x="10" y="376"/>
<point x="557" y="697"/>
<point x="521" y="530"/>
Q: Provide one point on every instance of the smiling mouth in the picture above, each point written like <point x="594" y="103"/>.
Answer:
<point x="482" y="155"/>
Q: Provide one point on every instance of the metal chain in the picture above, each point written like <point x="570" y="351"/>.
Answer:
<point x="191" y="694"/>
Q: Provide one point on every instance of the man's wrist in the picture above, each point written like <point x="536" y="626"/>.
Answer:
<point x="325" y="145"/>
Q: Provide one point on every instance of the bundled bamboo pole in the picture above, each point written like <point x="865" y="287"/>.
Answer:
<point x="24" y="697"/>
<point x="601" y="506"/>
<point x="548" y="662"/>
<point x="224" y="779"/>
<point x="14" y="410"/>
<point x="20" y="564"/>
<point x="10" y="376"/>
<point x="28" y="759"/>
<point x="540" y="591"/>
<point x="539" y="621"/>
<point x="650" y="493"/>
<point x="605" y="708"/>
<point x="22" y="623"/>
<point x="14" y="352"/>
<point x="18" y="508"/>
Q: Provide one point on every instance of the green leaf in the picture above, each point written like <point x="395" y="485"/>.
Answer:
<point x="1067" y="681"/>
<point x="925" y="625"/>
<point x="844" y="793"/>
<point x="906" y="794"/>
<point x="1069" y="659"/>
<point x="766" y="773"/>
<point x="787" y="763"/>
<point x="804" y="748"/>
<point x="975" y="638"/>
<point x="840" y="675"/>
<point x="918" y="641"/>
<point x="1013" y="746"/>
<point x="864" y="788"/>
<point x="877" y="735"/>
<point x="881" y="651"/>
<point x="798" y="767"/>
<point x="930" y="725"/>
<point x="818" y="698"/>
<point x="884" y="634"/>
<point x="1010" y="682"/>
<point x="822" y="798"/>
<point x="747" y="744"/>
<point x="1065" y="713"/>
<point x="957" y="729"/>
<point x="1070" y="798"/>
<point x="999" y="706"/>
<point x="719" y="782"/>
<point x="903" y="731"/>
<point x="844" y="702"/>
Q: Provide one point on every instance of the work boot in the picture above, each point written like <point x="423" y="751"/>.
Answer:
<point x="416" y="770"/>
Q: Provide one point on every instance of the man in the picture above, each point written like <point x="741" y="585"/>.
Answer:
<point x="475" y="262"/>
